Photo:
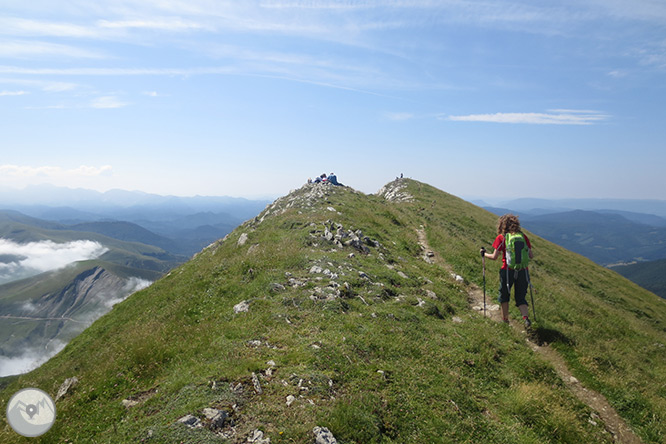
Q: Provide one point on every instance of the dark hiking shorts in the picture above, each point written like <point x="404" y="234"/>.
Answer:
<point x="517" y="279"/>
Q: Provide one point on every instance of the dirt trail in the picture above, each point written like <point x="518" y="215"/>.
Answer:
<point x="29" y="318"/>
<point x="614" y="424"/>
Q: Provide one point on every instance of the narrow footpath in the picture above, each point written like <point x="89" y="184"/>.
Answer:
<point x="29" y="318"/>
<point x="614" y="424"/>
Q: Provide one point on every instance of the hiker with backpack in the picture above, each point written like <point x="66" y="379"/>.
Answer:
<point x="516" y="251"/>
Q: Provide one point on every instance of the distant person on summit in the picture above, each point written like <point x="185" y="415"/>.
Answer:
<point x="333" y="180"/>
<point x="514" y="264"/>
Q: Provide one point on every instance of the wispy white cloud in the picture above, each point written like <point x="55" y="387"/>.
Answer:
<point x="24" y="49"/>
<point x="399" y="116"/>
<point x="325" y="17"/>
<point x="644" y="10"/>
<point x="175" y="24"/>
<point x="50" y="86"/>
<point x="351" y="23"/>
<point x="618" y="73"/>
<point x="38" y="257"/>
<point x="338" y="78"/>
<point x="89" y="171"/>
<point x="338" y="21"/>
<point x="15" y="26"/>
<point x="13" y="93"/>
<point x="59" y="106"/>
<point x="107" y="102"/>
<point x="118" y="71"/>
<point x="553" y="117"/>
<point x="23" y="171"/>
<point x="652" y="54"/>
<point x="43" y="85"/>
<point x="324" y="5"/>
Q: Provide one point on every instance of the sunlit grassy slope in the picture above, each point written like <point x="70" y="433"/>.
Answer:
<point x="376" y="345"/>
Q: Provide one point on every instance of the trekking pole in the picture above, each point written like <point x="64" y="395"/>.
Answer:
<point x="483" y="261"/>
<point x="529" y="282"/>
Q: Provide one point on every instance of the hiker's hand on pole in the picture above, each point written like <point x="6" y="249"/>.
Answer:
<point x="483" y="252"/>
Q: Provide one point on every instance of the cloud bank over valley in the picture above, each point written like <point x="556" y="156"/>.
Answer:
<point x="18" y="261"/>
<point x="29" y="360"/>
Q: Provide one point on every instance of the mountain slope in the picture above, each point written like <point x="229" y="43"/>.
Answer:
<point x="649" y="275"/>
<point x="9" y="217"/>
<point x="322" y="311"/>
<point x="126" y="231"/>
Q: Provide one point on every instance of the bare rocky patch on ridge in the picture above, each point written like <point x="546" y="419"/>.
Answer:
<point x="396" y="191"/>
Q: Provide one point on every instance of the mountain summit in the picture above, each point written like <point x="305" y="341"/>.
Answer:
<point x="336" y="316"/>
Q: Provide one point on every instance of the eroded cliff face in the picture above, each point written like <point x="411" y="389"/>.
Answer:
<point x="39" y="328"/>
<point x="88" y="291"/>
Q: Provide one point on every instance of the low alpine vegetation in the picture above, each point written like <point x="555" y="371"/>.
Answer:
<point x="323" y="317"/>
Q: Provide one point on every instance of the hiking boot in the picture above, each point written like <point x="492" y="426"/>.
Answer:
<point x="528" y="323"/>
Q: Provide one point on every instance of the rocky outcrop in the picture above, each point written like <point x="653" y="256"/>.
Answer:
<point x="257" y="437"/>
<point x="323" y="436"/>
<point x="396" y="191"/>
<point x="88" y="287"/>
<point x="308" y="197"/>
<point x="66" y="386"/>
<point x="242" y="307"/>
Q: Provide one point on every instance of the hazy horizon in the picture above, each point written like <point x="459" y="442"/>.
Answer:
<point x="490" y="199"/>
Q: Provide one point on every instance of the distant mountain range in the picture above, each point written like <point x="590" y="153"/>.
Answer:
<point x="186" y="224"/>
<point x="535" y="206"/>
<point x="51" y="197"/>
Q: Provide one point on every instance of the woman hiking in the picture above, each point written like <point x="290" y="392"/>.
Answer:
<point x="512" y="274"/>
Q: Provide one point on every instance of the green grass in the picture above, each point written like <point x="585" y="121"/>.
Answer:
<point x="372" y="365"/>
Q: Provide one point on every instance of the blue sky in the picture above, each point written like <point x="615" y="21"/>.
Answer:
<point x="486" y="98"/>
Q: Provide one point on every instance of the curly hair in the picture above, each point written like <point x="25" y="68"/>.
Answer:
<point x="508" y="223"/>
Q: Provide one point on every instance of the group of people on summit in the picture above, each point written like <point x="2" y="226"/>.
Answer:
<point x="331" y="178"/>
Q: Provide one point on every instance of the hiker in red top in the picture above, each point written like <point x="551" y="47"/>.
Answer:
<point x="509" y="224"/>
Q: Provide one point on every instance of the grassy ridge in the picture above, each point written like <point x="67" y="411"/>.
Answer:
<point x="611" y="331"/>
<point x="365" y="349"/>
